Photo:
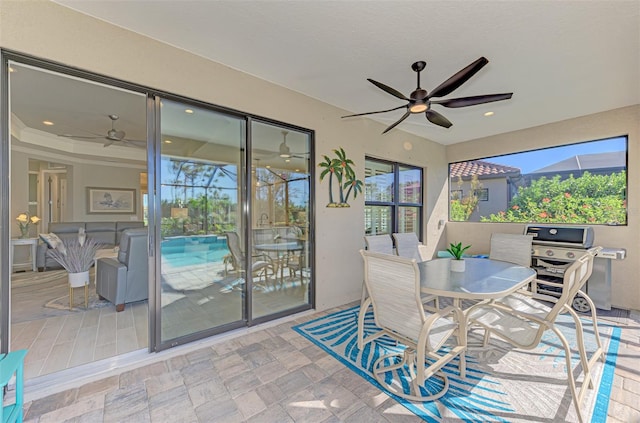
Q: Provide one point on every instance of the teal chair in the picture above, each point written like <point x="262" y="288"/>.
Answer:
<point x="10" y="364"/>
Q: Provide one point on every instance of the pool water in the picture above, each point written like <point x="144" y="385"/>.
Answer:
<point x="193" y="251"/>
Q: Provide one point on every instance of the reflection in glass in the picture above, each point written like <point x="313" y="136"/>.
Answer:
<point x="280" y="192"/>
<point x="377" y="220"/>
<point x="378" y="181"/>
<point x="410" y="185"/>
<point x="200" y="174"/>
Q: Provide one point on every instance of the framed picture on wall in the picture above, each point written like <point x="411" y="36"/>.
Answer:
<point x="111" y="200"/>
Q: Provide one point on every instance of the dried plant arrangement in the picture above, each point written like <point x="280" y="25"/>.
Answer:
<point x="74" y="256"/>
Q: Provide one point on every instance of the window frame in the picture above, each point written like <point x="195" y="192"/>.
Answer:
<point x="395" y="204"/>
<point x="531" y="176"/>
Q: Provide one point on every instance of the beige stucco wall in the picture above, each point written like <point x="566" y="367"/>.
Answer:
<point x="625" y="121"/>
<point x="52" y="32"/>
<point x="49" y="31"/>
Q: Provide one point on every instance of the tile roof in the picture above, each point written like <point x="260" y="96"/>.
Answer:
<point x="480" y="168"/>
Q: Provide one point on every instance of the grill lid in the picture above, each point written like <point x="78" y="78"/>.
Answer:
<point x="565" y="236"/>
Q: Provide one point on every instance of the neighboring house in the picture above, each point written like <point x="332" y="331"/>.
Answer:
<point x="595" y="164"/>
<point x="497" y="185"/>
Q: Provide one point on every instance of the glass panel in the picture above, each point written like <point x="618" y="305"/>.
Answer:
<point x="583" y="183"/>
<point x="280" y="192"/>
<point x="378" y="181"/>
<point x="201" y="176"/>
<point x="409" y="220"/>
<point x="377" y="220"/>
<point x="410" y="185"/>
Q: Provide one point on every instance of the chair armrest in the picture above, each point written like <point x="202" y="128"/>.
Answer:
<point x="41" y="255"/>
<point x="424" y="252"/>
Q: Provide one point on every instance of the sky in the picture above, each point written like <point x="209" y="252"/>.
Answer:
<point x="533" y="160"/>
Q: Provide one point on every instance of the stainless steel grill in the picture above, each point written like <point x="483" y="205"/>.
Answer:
<point x="556" y="247"/>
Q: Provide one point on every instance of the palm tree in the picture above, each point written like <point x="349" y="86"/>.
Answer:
<point x="355" y="185"/>
<point x="329" y="168"/>
<point x="341" y="168"/>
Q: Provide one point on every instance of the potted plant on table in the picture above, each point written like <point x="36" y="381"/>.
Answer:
<point x="457" y="251"/>
<point x="77" y="257"/>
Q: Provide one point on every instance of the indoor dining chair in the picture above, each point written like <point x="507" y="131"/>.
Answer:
<point x="393" y="284"/>
<point x="522" y="319"/>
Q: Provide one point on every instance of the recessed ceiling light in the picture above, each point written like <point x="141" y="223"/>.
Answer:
<point x="488" y="114"/>
<point x="268" y="167"/>
<point x="168" y="141"/>
<point x="287" y="160"/>
<point x="188" y="111"/>
<point x="47" y="122"/>
<point x="297" y="170"/>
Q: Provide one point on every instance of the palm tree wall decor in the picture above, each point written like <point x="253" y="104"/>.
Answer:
<point x="342" y="168"/>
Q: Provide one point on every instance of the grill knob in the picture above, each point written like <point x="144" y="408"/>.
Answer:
<point x="549" y="253"/>
<point x="571" y="255"/>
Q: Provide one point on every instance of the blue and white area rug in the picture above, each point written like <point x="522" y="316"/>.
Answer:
<point x="502" y="384"/>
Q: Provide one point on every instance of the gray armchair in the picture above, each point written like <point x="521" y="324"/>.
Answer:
<point x="125" y="279"/>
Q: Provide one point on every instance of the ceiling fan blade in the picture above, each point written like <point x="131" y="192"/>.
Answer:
<point x="80" y="137"/>
<point x="406" y="115"/>
<point x="371" y="113"/>
<point x="472" y="101"/>
<point x="438" y="119"/>
<point x="108" y="143"/>
<point x="458" y="79"/>
<point x="388" y="89"/>
<point x="135" y="143"/>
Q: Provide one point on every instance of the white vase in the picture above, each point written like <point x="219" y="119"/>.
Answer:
<point x="457" y="265"/>
<point x="76" y="280"/>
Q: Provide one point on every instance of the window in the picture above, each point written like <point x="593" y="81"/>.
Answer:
<point x="583" y="183"/>
<point x="482" y="194"/>
<point x="393" y="198"/>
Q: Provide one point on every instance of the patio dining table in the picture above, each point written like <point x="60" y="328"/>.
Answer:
<point x="282" y="250"/>
<point x="482" y="279"/>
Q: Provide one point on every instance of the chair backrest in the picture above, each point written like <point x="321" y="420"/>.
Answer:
<point x="575" y="276"/>
<point x="514" y="248"/>
<point x="407" y="245"/>
<point x="379" y="243"/>
<point x="393" y="284"/>
<point x="233" y="243"/>
<point x="134" y="253"/>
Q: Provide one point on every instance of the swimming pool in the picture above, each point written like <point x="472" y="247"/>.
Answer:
<point x="193" y="250"/>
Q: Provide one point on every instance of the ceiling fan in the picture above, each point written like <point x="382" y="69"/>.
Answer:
<point x="420" y="100"/>
<point x="112" y="136"/>
<point x="284" y="151"/>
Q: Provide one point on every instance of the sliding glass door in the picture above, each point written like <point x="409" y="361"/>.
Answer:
<point x="201" y="178"/>
<point x="280" y="215"/>
<point x="226" y="199"/>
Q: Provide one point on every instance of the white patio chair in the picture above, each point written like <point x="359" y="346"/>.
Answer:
<point x="521" y="320"/>
<point x="408" y="246"/>
<point x="260" y="266"/>
<point x="379" y="243"/>
<point x="393" y="284"/>
<point x="514" y="248"/>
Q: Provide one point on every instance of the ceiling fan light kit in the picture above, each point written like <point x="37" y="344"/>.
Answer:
<point x="419" y="100"/>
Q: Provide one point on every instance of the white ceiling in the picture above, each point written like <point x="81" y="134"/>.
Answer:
<point x="561" y="59"/>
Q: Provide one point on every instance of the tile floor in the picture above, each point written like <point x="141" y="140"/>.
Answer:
<point x="271" y="374"/>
